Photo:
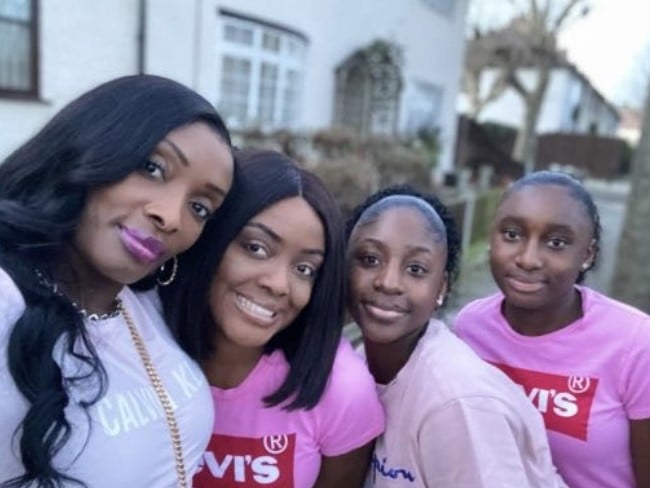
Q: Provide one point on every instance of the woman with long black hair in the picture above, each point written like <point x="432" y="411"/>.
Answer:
<point x="94" y="390"/>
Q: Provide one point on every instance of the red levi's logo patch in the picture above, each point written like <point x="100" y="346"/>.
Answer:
<point x="564" y="401"/>
<point x="247" y="462"/>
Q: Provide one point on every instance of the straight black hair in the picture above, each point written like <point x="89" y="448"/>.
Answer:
<point x="310" y="342"/>
<point x="97" y="139"/>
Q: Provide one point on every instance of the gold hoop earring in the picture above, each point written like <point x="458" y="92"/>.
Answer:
<point x="172" y="276"/>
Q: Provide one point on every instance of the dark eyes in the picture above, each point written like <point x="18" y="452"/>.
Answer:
<point x="555" y="243"/>
<point x="260" y="251"/>
<point x="158" y="171"/>
<point x="510" y="234"/>
<point x="368" y="260"/>
<point x="200" y="210"/>
<point x="371" y="261"/>
<point x="155" y="169"/>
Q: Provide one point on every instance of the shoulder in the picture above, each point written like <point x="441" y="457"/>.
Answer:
<point x="599" y="307"/>
<point x="350" y="395"/>
<point x="146" y="308"/>
<point x="349" y="372"/>
<point x="455" y="372"/>
<point x="478" y="309"/>
<point x="12" y="304"/>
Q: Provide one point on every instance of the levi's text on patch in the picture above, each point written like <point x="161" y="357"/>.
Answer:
<point x="564" y="401"/>
<point x="247" y="462"/>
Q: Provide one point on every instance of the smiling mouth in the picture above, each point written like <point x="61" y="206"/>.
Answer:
<point x="527" y="287"/>
<point x="253" y="309"/>
<point x="383" y="314"/>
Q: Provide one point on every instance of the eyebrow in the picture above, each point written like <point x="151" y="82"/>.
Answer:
<point x="181" y="156"/>
<point x="277" y="238"/>
<point x="411" y="249"/>
<point x="549" y="226"/>
<point x="178" y="152"/>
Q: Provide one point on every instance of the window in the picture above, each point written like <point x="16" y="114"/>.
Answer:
<point x="424" y="105"/>
<point x="18" y="49"/>
<point x="261" y="73"/>
<point x="445" y="7"/>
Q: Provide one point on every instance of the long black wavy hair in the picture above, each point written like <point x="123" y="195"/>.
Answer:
<point x="97" y="139"/>
<point x="310" y="342"/>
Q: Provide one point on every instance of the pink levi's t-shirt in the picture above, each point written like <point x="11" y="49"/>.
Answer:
<point x="256" y="446"/>
<point x="588" y="379"/>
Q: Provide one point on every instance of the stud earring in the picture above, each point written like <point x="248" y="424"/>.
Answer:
<point x="169" y="280"/>
<point x="440" y="300"/>
<point x="585" y="266"/>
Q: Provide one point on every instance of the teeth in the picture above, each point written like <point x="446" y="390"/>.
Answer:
<point x="254" y="308"/>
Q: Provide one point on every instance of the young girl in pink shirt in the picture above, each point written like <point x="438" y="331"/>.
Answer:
<point x="452" y="420"/>
<point x="582" y="358"/>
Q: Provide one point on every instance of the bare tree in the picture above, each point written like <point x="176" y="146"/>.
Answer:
<point x="528" y="44"/>
<point x="631" y="282"/>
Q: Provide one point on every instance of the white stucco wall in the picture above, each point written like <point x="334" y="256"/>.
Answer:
<point x="85" y="42"/>
<point x="82" y="43"/>
<point x="433" y="46"/>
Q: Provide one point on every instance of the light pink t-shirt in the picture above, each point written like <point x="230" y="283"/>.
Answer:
<point x="254" y="446"/>
<point x="587" y="379"/>
<point x="454" y="421"/>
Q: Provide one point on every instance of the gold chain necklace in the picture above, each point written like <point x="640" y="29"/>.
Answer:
<point x="161" y="393"/>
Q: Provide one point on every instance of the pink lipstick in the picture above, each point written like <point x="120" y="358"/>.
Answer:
<point x="143" y="247"/>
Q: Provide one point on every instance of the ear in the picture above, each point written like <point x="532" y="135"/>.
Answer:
<point x="590" y="255"/>
<point x="442" y="291"/>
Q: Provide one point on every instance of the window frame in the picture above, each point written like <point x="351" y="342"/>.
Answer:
<point x="276" y="47"/>
<point x="34" y="89"/>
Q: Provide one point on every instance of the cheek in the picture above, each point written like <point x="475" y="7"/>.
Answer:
<point x="359" y="280"/>
<point x="189" y="235"/>
<point x="302" y="294"/>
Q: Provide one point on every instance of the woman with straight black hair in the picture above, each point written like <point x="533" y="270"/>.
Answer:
<point x="94" y="390"/>
<point x="258" y="302"/>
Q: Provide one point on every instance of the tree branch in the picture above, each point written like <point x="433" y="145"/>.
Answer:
<point x="563" y="15"/>
<point x="515" y="82"/>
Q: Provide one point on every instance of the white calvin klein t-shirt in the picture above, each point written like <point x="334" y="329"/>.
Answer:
<point x="124" y="441"/>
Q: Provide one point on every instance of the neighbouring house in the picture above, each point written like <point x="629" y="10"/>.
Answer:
<point x="571" y="103"/>
<point x="372" y="66"/>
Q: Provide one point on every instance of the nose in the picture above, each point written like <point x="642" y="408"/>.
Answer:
<point x="166" y="211"/>
<point x="275" y="279"/>
<point x="388" y="279"/>
<point x="529" y="258"/>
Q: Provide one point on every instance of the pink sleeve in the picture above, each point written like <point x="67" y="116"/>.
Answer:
<point x="635" y="379"/>
<point x="350" y="413"/>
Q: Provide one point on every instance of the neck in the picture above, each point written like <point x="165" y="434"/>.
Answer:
<point x="385" y="360"/>
<point x="79" y="282"/>
<point x="540" y="322"/>
<point x="229" y="364"/>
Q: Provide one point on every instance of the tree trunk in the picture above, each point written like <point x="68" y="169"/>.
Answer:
<point x="525" y="148"/>
<point x="631" y="282"/>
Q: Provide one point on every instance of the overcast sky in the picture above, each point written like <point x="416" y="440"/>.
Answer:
<point x="612" y="47"/>
<point x="609" y="45"/>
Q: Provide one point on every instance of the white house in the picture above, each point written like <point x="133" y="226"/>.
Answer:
<point x="571" y="104"/>
<point x="268" y="64"/>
